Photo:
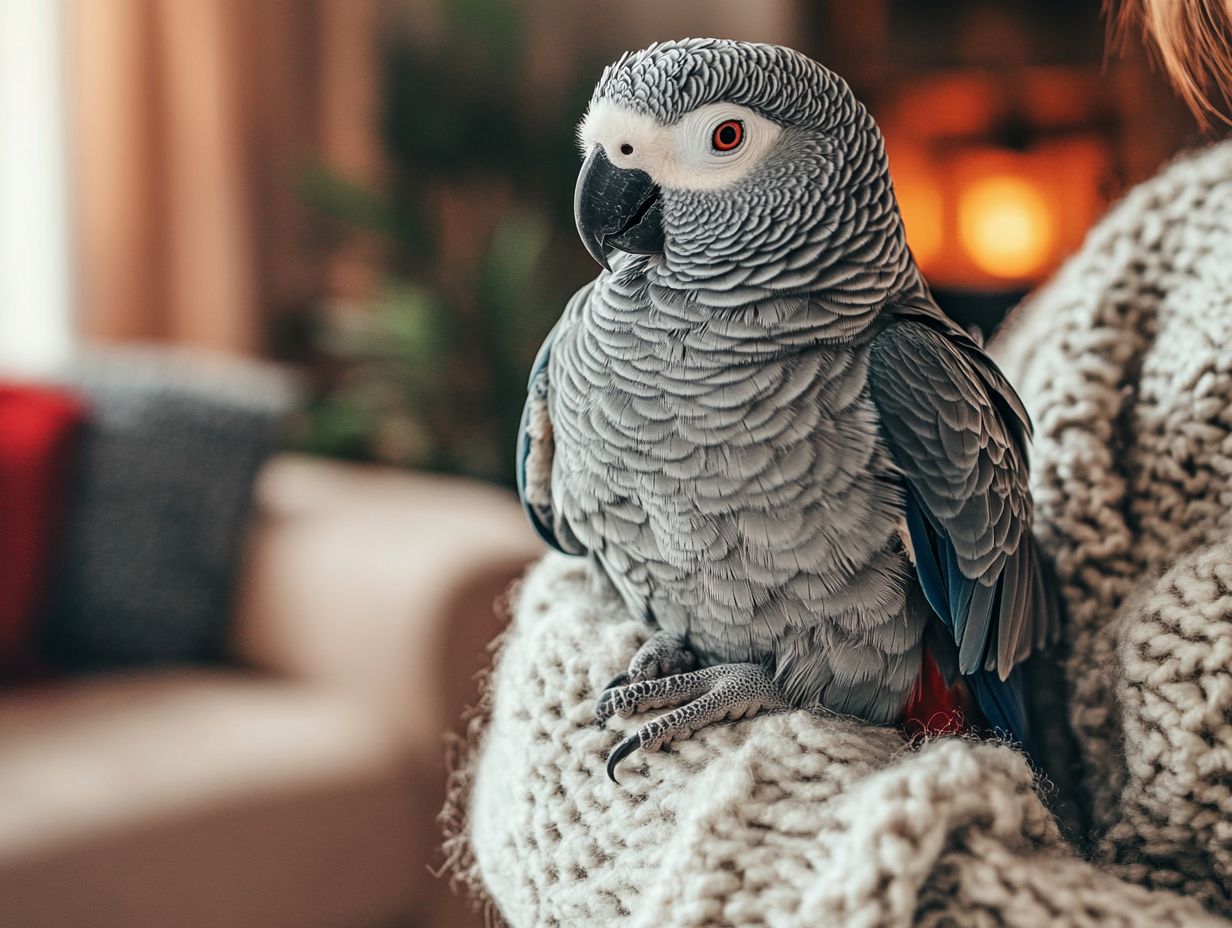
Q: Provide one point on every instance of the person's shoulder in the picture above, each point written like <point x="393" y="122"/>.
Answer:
<point x="1210" y="163"/>
<point x="1187" y="201"/>
<point x="1195" y="181"/>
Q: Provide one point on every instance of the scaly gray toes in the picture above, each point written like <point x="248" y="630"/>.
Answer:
<point x="728" y="691"/>
<point x="663" y="655"/>
<point x="603" y="706"/>
<point x="625" y="700"/>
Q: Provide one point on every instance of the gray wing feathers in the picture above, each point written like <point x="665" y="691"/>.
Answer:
<point x="958" y="433"/>
<point x="1000" y="390"/>
<point x="948" y="439"/>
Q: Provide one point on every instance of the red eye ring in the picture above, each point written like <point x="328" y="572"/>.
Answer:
<point x="728" y="135"/>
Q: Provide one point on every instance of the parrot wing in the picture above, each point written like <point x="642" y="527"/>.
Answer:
<point x="958" y="433"/>
<point x="534" y="456"/>
<point x="535" y="448"/>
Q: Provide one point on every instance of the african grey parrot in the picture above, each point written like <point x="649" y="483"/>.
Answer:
<point x="760" y="427"/>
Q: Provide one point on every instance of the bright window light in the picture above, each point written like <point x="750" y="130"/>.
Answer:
<point x="1006" y="227"/>
<point x="35" y="287"/>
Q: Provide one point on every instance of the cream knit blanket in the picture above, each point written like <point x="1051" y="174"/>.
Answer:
<point x="803" y="819"/>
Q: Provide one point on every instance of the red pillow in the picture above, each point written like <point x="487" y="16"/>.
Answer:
<point x="38" y="431"/>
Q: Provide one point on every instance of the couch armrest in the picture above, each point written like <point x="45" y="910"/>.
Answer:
<point x="380" y="582"/>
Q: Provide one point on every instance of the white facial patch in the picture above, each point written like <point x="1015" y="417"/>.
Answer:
<point x="686" y="155"/>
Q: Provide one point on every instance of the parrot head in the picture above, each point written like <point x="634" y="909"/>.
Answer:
<point x="748" y="168"/>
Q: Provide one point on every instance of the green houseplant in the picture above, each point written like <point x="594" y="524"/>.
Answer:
<point x="478" y="255"/>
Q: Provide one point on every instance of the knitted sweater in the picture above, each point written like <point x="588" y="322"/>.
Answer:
<point x="799" y="818"/>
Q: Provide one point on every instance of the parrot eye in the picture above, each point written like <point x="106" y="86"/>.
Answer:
<point x="727" y="135"/>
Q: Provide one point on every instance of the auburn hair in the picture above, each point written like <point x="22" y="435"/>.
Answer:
<point x="1194" y="41"/>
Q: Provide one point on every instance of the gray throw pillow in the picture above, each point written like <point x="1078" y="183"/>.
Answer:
<point x="158" y="515"/>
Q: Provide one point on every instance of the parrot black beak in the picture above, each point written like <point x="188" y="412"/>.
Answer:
<point x="616" y="208"/>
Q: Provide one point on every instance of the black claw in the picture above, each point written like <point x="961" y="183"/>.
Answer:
<point x="619" y="753"/>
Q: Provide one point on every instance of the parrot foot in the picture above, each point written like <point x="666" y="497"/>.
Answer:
<point x="698" y="699"/>
<point x="663" y="655"/>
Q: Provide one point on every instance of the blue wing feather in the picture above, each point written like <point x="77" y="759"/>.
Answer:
<point x="927" y="562"/>
<point x="1003" y="703"/>
<point x="961" y="589"/>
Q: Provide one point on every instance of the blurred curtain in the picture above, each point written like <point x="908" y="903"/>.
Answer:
<point x="192" y="124"/>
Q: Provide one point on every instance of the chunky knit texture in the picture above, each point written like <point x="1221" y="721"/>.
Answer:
<point x="806" y="819"/>
<point x="1126" y="361"/>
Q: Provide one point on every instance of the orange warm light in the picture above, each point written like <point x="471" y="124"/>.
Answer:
<point x="986" y="209"/>
<point x="1006" y="227"/>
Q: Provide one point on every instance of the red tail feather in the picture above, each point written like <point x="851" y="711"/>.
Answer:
<point x="934" y="708"/>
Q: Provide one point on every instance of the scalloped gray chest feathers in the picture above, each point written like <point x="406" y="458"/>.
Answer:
<point x="724" y="472"/>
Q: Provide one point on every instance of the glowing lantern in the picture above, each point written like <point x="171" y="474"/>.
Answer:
<point x="998" y="178"/>
<point x="1006" y="226"/>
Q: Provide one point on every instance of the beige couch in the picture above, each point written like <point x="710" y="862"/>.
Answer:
<point x="299" y="788"/>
